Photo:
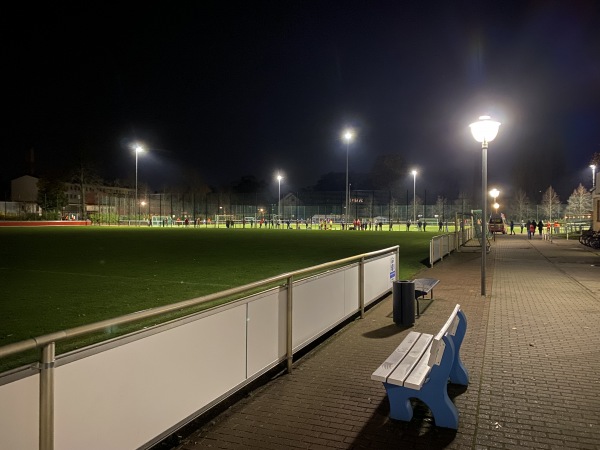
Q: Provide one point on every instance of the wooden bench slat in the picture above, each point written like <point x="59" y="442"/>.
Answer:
<point x="404" y="369"/>
<point x="449" y="325"/>
<point x="388" y="366"/>
<point x="418" y="376"/>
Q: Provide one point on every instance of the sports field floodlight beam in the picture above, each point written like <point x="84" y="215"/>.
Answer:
<point x="484" y="130"/>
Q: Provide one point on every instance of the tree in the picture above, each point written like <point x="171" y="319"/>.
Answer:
<point x="249" y="185"/>
<point x="388" y="172"/>
<point x="463" y="202"/>
<point x="580" y="202"/>
<point x="440" y="206"/>
<point x="521" y="205"/>
<point x="84" y="176"/>
<point x="411" y="209"/>
<point x="332" y="181"/>
<point x="52" y="195"/>
<point x="551" y="203"/>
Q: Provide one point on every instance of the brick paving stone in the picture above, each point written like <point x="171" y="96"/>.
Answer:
<point x="531" y="350"/>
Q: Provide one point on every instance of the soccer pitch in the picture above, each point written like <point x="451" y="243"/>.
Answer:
<point x="57" y="278"/>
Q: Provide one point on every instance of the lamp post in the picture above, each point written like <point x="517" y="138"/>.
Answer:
<point x="485" y="130"/>
<point x="414" y="172"/>
<point x="279" y="178"/>
<point x="138" y="149"/>
<point x="593" y="167"/>
<point x="348" y="136"/>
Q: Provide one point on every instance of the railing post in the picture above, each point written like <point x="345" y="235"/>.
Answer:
<point x="431" y="244"/>
<point x="289" y="350"/>
<point x="46" y="429"/>
<point x="397" y="277"/>
<point x="361" y="287"/>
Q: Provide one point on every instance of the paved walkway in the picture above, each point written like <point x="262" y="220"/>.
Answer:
<point x="532" y="349"/>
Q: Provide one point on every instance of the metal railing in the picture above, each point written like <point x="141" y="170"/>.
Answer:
<point x="47" y="343"/>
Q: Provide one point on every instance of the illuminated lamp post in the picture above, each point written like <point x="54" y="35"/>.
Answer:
<point x="279" y="178"/>
<point x="348" y="136"/>
<point x="414" y="172"/>
<point x="484" y="130"/>
<point x="138" y="149"/>
<point x="593" y="167"/>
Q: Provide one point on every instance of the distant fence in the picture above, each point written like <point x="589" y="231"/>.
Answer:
<point x="133" y="391"/>
<point x="444" y="244"/>
<point x="44" y="223"/>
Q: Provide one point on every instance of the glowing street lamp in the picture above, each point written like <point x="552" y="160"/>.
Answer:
<point x="484" y="130"/>
<point x="348" y="136"/>
<point x="495" y="193"/>
<point x="138" y="149"/>
<point x="279" y="178"/>
<point x="414" y="172"/>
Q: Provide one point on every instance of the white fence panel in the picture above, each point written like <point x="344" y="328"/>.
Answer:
<point x="267" y="320"/>
<point x="121" y="398"/>
<point x="19" y="412"/>
<point x="379" y="276"/>
<point x="320" y="303"/>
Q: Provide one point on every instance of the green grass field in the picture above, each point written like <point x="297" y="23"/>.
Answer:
<point x="57" y="278"/>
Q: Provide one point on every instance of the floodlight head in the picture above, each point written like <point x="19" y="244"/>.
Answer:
<point x="485" y="129"/>
<point x="348" y="135"/>
<point x="414" y="172"/>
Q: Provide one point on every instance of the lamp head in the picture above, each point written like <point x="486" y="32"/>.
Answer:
<point x="494" y="192"/>
<point x="279" y="178"/>
<point x="139" y="149"/>
<point x="485" y="129"/>
<point x="414" y="172"/>
<point x="348" y="135"/>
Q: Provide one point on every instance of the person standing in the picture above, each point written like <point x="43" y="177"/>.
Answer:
<point x="512" y="227"/>
<point x="408" y="222"/>
<point x="532" y="226"/>
<point x="541" y="227"/>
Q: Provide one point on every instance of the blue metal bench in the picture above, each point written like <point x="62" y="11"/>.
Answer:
<point x="421" y="366"/>
<point x="424" y="286"/>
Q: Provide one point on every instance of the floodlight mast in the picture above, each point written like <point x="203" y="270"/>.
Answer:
<point x="348" y="136"/>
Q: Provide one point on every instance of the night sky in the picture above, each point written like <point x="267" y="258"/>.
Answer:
<point x="220" y="90"/>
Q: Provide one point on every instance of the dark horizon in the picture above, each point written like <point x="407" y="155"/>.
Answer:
<point x="220" y="91"/>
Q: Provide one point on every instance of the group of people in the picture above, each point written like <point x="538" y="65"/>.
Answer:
<point x="531" y="226"/>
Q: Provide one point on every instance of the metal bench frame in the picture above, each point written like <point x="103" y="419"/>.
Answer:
<point x="421" y="366"/>
<point x="424" y="286"/>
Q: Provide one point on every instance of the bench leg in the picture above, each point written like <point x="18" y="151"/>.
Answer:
<point x="459" y="373"/>
<point x="399" y="398"/>
<point x="434" y="394"/>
